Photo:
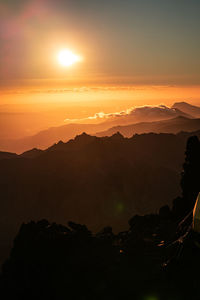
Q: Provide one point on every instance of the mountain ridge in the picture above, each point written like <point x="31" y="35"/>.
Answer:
<point x="47" y="137"/>
<point x="112" y="177"/>
<point x="173" y="125"/>
<point x="187" y="108"/>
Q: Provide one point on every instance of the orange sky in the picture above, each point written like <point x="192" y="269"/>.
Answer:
<point x="135" y="52"/>
<point x="128" y="42"/>
<point x="104" y="96"/>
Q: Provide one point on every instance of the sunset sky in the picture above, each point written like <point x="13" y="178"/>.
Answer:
<point x="134" y="52"/>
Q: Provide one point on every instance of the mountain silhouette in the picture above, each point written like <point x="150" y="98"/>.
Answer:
<point x="187" y="108"/>
<point x="157" y="255"/>
<point x="91" y="180"/>
<point x="174" y="125"/>
<point x="7" y="155"/>
<point x="46" y="138"/>
<point x="33" y="153"/>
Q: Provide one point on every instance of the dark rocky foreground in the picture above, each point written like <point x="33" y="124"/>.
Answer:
<point x="90" y="180"/>
<point x="157" y="258"/>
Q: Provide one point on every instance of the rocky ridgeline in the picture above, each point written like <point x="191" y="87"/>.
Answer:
<point x="158" y="257"/>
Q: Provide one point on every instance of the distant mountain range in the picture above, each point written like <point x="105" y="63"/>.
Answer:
<point x="187" y="109"/>
<point x="138" y="120"/>
<point x="45" y="138"/>
<point x="175" y="125"/>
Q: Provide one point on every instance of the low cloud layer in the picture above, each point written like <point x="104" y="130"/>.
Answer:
<point x="132" y="115"/>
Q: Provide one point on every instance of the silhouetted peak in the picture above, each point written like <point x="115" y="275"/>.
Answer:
<point x="83" y="135"/>
<point x="180" y="103"/>
<point x="60" y="144"/>
<point x="117" y="136"/>
<point x="57" y="146"/>
<point x="84" y="138"/>
<point x="31" y="153"/>
<point x="187" y="108"/>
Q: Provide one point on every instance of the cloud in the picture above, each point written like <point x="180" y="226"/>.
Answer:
<point x="133" y="114"/>
<point x="27" y="89"/>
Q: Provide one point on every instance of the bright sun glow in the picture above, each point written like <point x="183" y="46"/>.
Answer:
<point x="67" y="58"/>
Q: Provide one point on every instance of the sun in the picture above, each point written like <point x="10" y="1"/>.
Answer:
<point x="67" y="58"/>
